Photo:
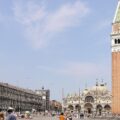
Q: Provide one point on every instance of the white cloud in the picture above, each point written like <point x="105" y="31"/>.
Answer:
<point x="28" y="13"/>
<point x="66" y="16"/>
<point x="41" y="24"/>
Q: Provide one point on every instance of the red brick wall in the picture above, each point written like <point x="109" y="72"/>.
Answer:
<point x="116" y="27"/>
<point x="116" y="82"/>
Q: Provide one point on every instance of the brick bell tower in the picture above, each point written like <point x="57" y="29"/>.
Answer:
<point x="115" y="41"/>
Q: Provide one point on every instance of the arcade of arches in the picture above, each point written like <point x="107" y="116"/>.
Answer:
<point x="94" y="100"/>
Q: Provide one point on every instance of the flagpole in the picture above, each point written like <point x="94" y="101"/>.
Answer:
<point x="79" y="105"/>
<point x="62" y="99"/>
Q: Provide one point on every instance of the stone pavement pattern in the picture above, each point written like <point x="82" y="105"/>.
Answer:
<point x="57" y="118"/>
<point x="43" y="118"/>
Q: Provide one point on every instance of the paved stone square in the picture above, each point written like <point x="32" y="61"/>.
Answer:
<point x="57" y="118"/>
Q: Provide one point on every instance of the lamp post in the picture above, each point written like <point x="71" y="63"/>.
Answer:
<point x="63" y="99"/>
<point x="19" y="102"/>
<point x="96" y="96"/>
<point x="79" y="105"/>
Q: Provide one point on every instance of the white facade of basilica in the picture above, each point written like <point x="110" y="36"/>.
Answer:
<point x="94" y="100"/>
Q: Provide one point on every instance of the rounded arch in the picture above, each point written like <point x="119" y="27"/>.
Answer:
<point x="99" y="109"/>
<point x="88" y="108"/>
<point x="88" y="105"/>
<point x="89" y="99"/>
<point x="71" y="107"/>
<point x="77" y="107"/>
<point x="107" y="107"/>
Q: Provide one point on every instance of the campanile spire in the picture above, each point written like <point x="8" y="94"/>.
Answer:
<point x="117" y="13"/>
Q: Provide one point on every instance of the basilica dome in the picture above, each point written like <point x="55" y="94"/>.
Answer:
<point x="85" y="91"/>
<point x="99" y="89"/>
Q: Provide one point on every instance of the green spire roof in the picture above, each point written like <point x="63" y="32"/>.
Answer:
<point x="117" y="14"/>
<point x="117" y="19"/>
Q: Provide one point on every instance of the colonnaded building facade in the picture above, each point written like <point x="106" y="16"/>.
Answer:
<point x="20" y="99"/>
<point x="96" y="100"/>
<point x="115" y="40"/>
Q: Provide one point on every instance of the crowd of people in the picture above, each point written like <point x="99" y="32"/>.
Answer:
<point x="68" y="115"/>
<point x="9" y="114"/>
<point x="63" y="117"/>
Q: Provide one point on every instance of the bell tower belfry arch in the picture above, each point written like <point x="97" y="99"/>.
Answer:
<point x="115" y="44"/>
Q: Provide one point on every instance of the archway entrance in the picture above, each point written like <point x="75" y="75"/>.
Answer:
<point x="107" y="108"/>
<point x="99" y="109"/>
<point x="78" y="107"/>
<point x="88" y="108"/>
<point x="70" y="107"/>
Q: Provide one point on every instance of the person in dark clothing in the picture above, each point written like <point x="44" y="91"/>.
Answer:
<point x="11" y="115"/>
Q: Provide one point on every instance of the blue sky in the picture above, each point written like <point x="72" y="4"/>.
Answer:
<point x="55" y="44"/>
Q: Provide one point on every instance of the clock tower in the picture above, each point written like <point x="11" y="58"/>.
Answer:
<point x="115" y="43"/>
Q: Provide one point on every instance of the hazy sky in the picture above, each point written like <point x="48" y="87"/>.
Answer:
<point x="55" y="43"/>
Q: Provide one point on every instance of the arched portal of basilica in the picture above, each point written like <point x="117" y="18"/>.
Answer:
<point x="71" y="107"/>
<point x="99" y="109"/>
<point x="88" y="108"/>
<point x="78" y="107"/>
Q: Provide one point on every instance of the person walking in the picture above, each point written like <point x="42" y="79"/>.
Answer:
<point x="1" y="115"/>
<point x="62" y="117"/>
<point x="11" y="115"/>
